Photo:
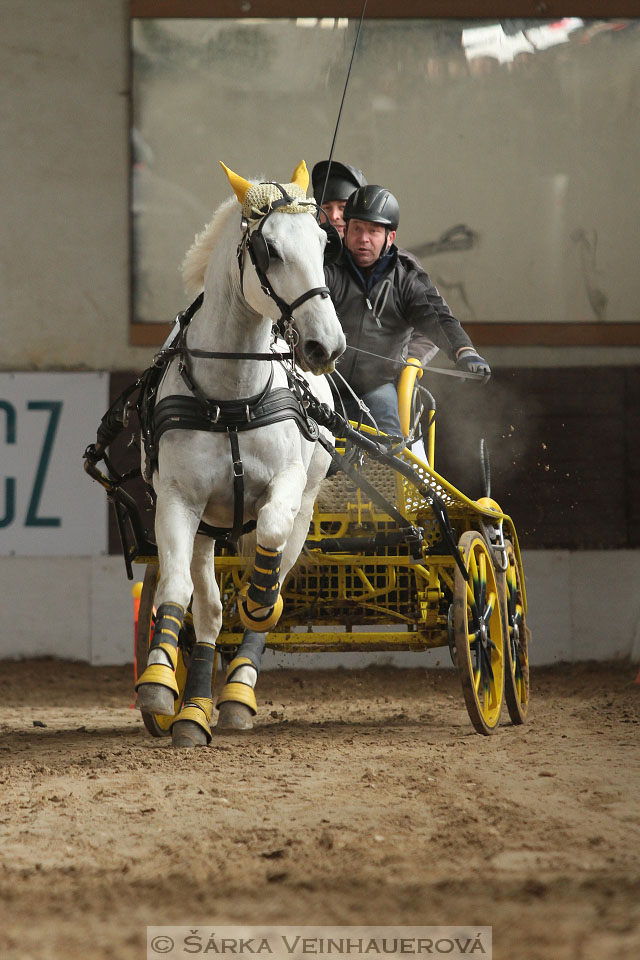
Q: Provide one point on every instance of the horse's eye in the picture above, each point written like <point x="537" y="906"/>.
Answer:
<point x="274" y="252"/>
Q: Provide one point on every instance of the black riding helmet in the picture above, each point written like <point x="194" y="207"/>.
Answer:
<point x="375" y="204"/>
<point x="343" y="180"/>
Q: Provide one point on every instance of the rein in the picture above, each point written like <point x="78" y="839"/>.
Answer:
<point x="459" y="374"/>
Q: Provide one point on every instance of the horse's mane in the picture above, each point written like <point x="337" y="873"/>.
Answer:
<point x="199" y="253"/>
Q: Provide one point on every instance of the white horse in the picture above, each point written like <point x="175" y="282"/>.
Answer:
<point x="254" y="268"/>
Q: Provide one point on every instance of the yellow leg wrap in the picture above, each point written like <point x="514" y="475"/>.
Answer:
<point x="162" y="673"/>
<point x="239" y="693"/>
<point x="198" y="710"/>
<point x="253" y="622"/>
<point x="239" y="662"/>
<point x="266" y="552"/>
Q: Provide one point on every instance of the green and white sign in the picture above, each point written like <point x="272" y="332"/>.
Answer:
<point x="48" y="505"/>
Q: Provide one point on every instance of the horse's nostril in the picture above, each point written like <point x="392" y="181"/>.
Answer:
<point x="316" y="352"/>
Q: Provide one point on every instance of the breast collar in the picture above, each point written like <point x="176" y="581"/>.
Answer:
<point x="231" y="417"/>
<point x="219" y="416"/>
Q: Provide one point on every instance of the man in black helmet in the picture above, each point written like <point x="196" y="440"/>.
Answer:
<point x="381" y="294"/>
<point x="334" y="190"/>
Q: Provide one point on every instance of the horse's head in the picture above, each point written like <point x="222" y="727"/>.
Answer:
<point x="281" y="255"/>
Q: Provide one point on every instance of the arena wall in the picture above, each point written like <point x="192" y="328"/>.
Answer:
<point x="81" y="608"/>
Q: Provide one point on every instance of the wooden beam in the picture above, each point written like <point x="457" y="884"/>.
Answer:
<point x="382" y="9"/>
<point x="484" y="334"/>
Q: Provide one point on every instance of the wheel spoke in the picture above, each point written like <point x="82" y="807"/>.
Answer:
<point x="482" y="563"/>
<point x="475" y="579"/>
<point x="488" y="667"/>
<point x="471" y="602"/>
<point x="491" y="605"/>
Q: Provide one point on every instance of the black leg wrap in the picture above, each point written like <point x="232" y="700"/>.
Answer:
<point x="200" y="671"/>
<point x="252" y="647"/>
<point x="265" y="586"/>
<point x="169" y="619"/>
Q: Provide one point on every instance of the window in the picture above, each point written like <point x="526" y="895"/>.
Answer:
<point x="511" y="145"/>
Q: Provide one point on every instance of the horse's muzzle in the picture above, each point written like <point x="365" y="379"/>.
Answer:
<point x="315" y="357"/>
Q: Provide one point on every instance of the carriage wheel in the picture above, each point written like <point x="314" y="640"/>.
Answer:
<point x="157" y="725"/>
<point x="516" y="681"/>
<point x="478" y="634"/>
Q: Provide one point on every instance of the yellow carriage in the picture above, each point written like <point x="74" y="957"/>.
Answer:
<point x="396" y="558"/>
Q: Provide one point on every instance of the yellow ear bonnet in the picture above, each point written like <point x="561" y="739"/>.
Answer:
<point x="256" y="198"/>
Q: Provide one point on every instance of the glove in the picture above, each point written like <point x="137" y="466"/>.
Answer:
<point x="472" y="363"/>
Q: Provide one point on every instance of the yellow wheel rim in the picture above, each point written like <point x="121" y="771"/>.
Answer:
<point x="479" y="639"/>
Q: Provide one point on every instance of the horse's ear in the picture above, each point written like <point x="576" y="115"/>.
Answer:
<point x="300" y="176"/>
<point x="239" y="184"/>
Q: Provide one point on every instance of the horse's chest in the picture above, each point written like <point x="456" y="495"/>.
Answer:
<point x="201" y="465"/>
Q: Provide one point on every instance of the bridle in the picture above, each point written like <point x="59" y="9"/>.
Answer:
<point x="256" y="245"/>
<point x="253" y="242"/>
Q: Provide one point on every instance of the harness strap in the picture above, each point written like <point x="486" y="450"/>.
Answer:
<point x="218" y="355"/>
<point x="187" y="413"/>
<point x="217" y="406"/>
<point x="232" y="416"/>
<point x="223" y="533"/>
<point x="238" y="484"/>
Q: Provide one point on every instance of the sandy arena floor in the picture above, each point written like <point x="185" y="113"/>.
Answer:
<point x="361" y="797"/>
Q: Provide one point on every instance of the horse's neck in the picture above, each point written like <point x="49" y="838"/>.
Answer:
<point x="227" y="324"/>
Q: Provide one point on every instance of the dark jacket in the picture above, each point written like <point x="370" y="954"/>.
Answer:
<point x="379" y="312"/>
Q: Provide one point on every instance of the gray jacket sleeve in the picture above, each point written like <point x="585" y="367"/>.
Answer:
<point x="429" y="313"/>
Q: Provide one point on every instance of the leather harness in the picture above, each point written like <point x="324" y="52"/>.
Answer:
<point x="200" y="412"/>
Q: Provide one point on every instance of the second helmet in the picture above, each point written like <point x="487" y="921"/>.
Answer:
<point x="343" y="180"/>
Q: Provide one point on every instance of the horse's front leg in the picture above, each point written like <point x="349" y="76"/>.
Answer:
<point x="237" y="702"/>
<point x="260" y="603"/>
<point x="176" y="525"/>
<point x="192" y="726"/>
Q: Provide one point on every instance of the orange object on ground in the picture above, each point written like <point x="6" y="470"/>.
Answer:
<point x="136" y="591"/>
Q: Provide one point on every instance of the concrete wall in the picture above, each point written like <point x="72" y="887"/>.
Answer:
<point x="64" y="302"/>
<point x="64" y="191"/>
<point x="64" y="184"/>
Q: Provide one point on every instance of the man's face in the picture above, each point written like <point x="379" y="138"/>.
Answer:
<point x="365" y="241"/>
<point x="334" y="210"/>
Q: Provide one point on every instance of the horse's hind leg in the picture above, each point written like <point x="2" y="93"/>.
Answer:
<point x="175" y="529"/>
<point x="237" y="703"/>
<point x="192" y="726"/>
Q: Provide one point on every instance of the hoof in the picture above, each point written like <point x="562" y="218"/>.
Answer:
<point x="234" y="716"/>
<point x="261" y="624"/>
<point x="156" y="698"/>
<point x="186" y="733"/>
